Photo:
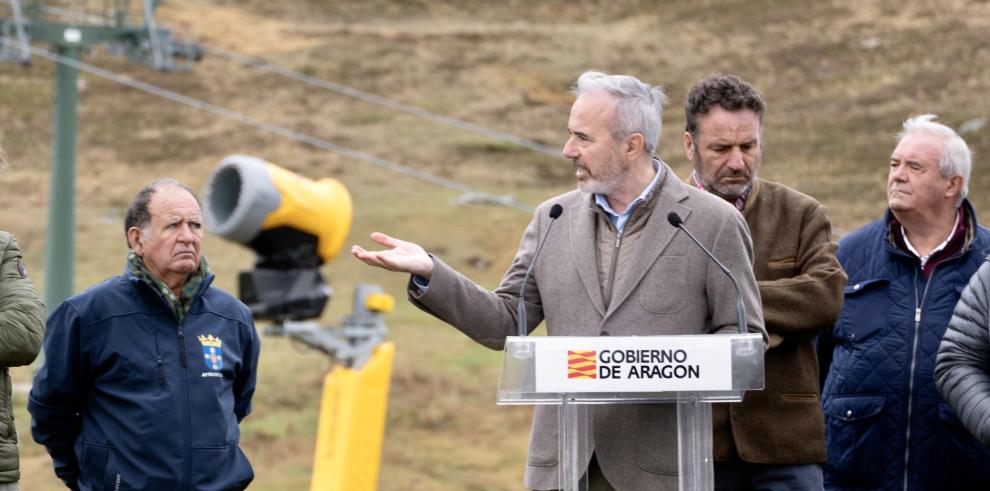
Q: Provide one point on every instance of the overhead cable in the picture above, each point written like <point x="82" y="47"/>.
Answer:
<point x="356" y="93"/>
<point x="505" y="200"/>
<point x="379" y="100"/>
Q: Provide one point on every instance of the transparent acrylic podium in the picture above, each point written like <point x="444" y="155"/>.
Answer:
<point x="690" y="371"/>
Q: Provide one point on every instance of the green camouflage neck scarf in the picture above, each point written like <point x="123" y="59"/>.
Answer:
<point x="180" y="306"/>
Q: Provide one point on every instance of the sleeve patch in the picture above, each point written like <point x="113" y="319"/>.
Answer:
<point x="21" y="268"/>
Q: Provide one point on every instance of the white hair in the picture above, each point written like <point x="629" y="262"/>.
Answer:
<point x="638" y="108"/>
<point x="956" y="159"/>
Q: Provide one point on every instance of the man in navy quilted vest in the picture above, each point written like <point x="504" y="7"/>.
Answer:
<point x="886" y="427"/>
<point x="148" y="374"/>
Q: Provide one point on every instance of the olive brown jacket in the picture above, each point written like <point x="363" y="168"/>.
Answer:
<point x="801" y="284"/>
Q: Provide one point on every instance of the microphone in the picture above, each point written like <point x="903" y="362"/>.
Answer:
<point x="676" y="222"/>
<point x="555" y="212"/>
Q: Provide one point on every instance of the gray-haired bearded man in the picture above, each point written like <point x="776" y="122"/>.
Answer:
<point x="614" y="265"/>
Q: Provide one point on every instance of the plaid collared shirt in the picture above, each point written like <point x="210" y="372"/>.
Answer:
<point x="739" y="202"/>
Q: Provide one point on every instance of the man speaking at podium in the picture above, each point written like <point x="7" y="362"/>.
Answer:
<point x="614" y="266"/>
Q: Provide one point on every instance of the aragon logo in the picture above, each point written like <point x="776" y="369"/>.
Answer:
<point x="581" y="364"/>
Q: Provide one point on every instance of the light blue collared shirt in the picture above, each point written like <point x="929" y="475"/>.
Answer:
<point x="617" y="219"/>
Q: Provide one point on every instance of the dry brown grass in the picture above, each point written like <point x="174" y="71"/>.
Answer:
<point x="839" y="77"/>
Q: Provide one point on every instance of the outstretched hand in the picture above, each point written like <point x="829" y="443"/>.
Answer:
<point x="401" y="256"/>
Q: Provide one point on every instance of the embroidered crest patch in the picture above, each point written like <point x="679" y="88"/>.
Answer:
<point x="212" y="351"/>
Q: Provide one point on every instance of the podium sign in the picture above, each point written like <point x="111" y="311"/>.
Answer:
<point x="633" y="364"/>
<point x="689" y="371"/>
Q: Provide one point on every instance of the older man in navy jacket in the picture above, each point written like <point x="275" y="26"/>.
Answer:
<point x="148" y="374"/>
<point x="885" y="425"/>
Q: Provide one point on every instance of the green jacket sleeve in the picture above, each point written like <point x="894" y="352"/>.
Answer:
<point x="22" y="324"/>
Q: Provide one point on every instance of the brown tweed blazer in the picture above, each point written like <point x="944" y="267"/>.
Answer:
<point x="801" y="284"/>
<point x="673" y="289"/>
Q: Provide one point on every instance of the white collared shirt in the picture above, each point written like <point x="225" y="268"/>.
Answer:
<point x="924" y="259"/>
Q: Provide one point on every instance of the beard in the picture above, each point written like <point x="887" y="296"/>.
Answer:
<point x="729" y="191"/>
<point x="607" y="181"/>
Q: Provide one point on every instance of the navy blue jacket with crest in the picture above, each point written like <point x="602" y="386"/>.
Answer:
<point x="886" y="427"/>
<point x="128" y="398"/>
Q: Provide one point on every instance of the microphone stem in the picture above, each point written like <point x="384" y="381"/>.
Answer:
<point x="740" y="306"/>
<point x="740" y="309"/>
<point x="521" y="324"/>
<point x="521" y="317"/>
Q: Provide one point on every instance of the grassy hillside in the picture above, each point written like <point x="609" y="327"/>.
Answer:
<point x="839" y="78"/>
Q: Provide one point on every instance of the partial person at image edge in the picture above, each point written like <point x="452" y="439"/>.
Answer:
<point x="962" y="367"/>
<point x="22" y="328"/>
